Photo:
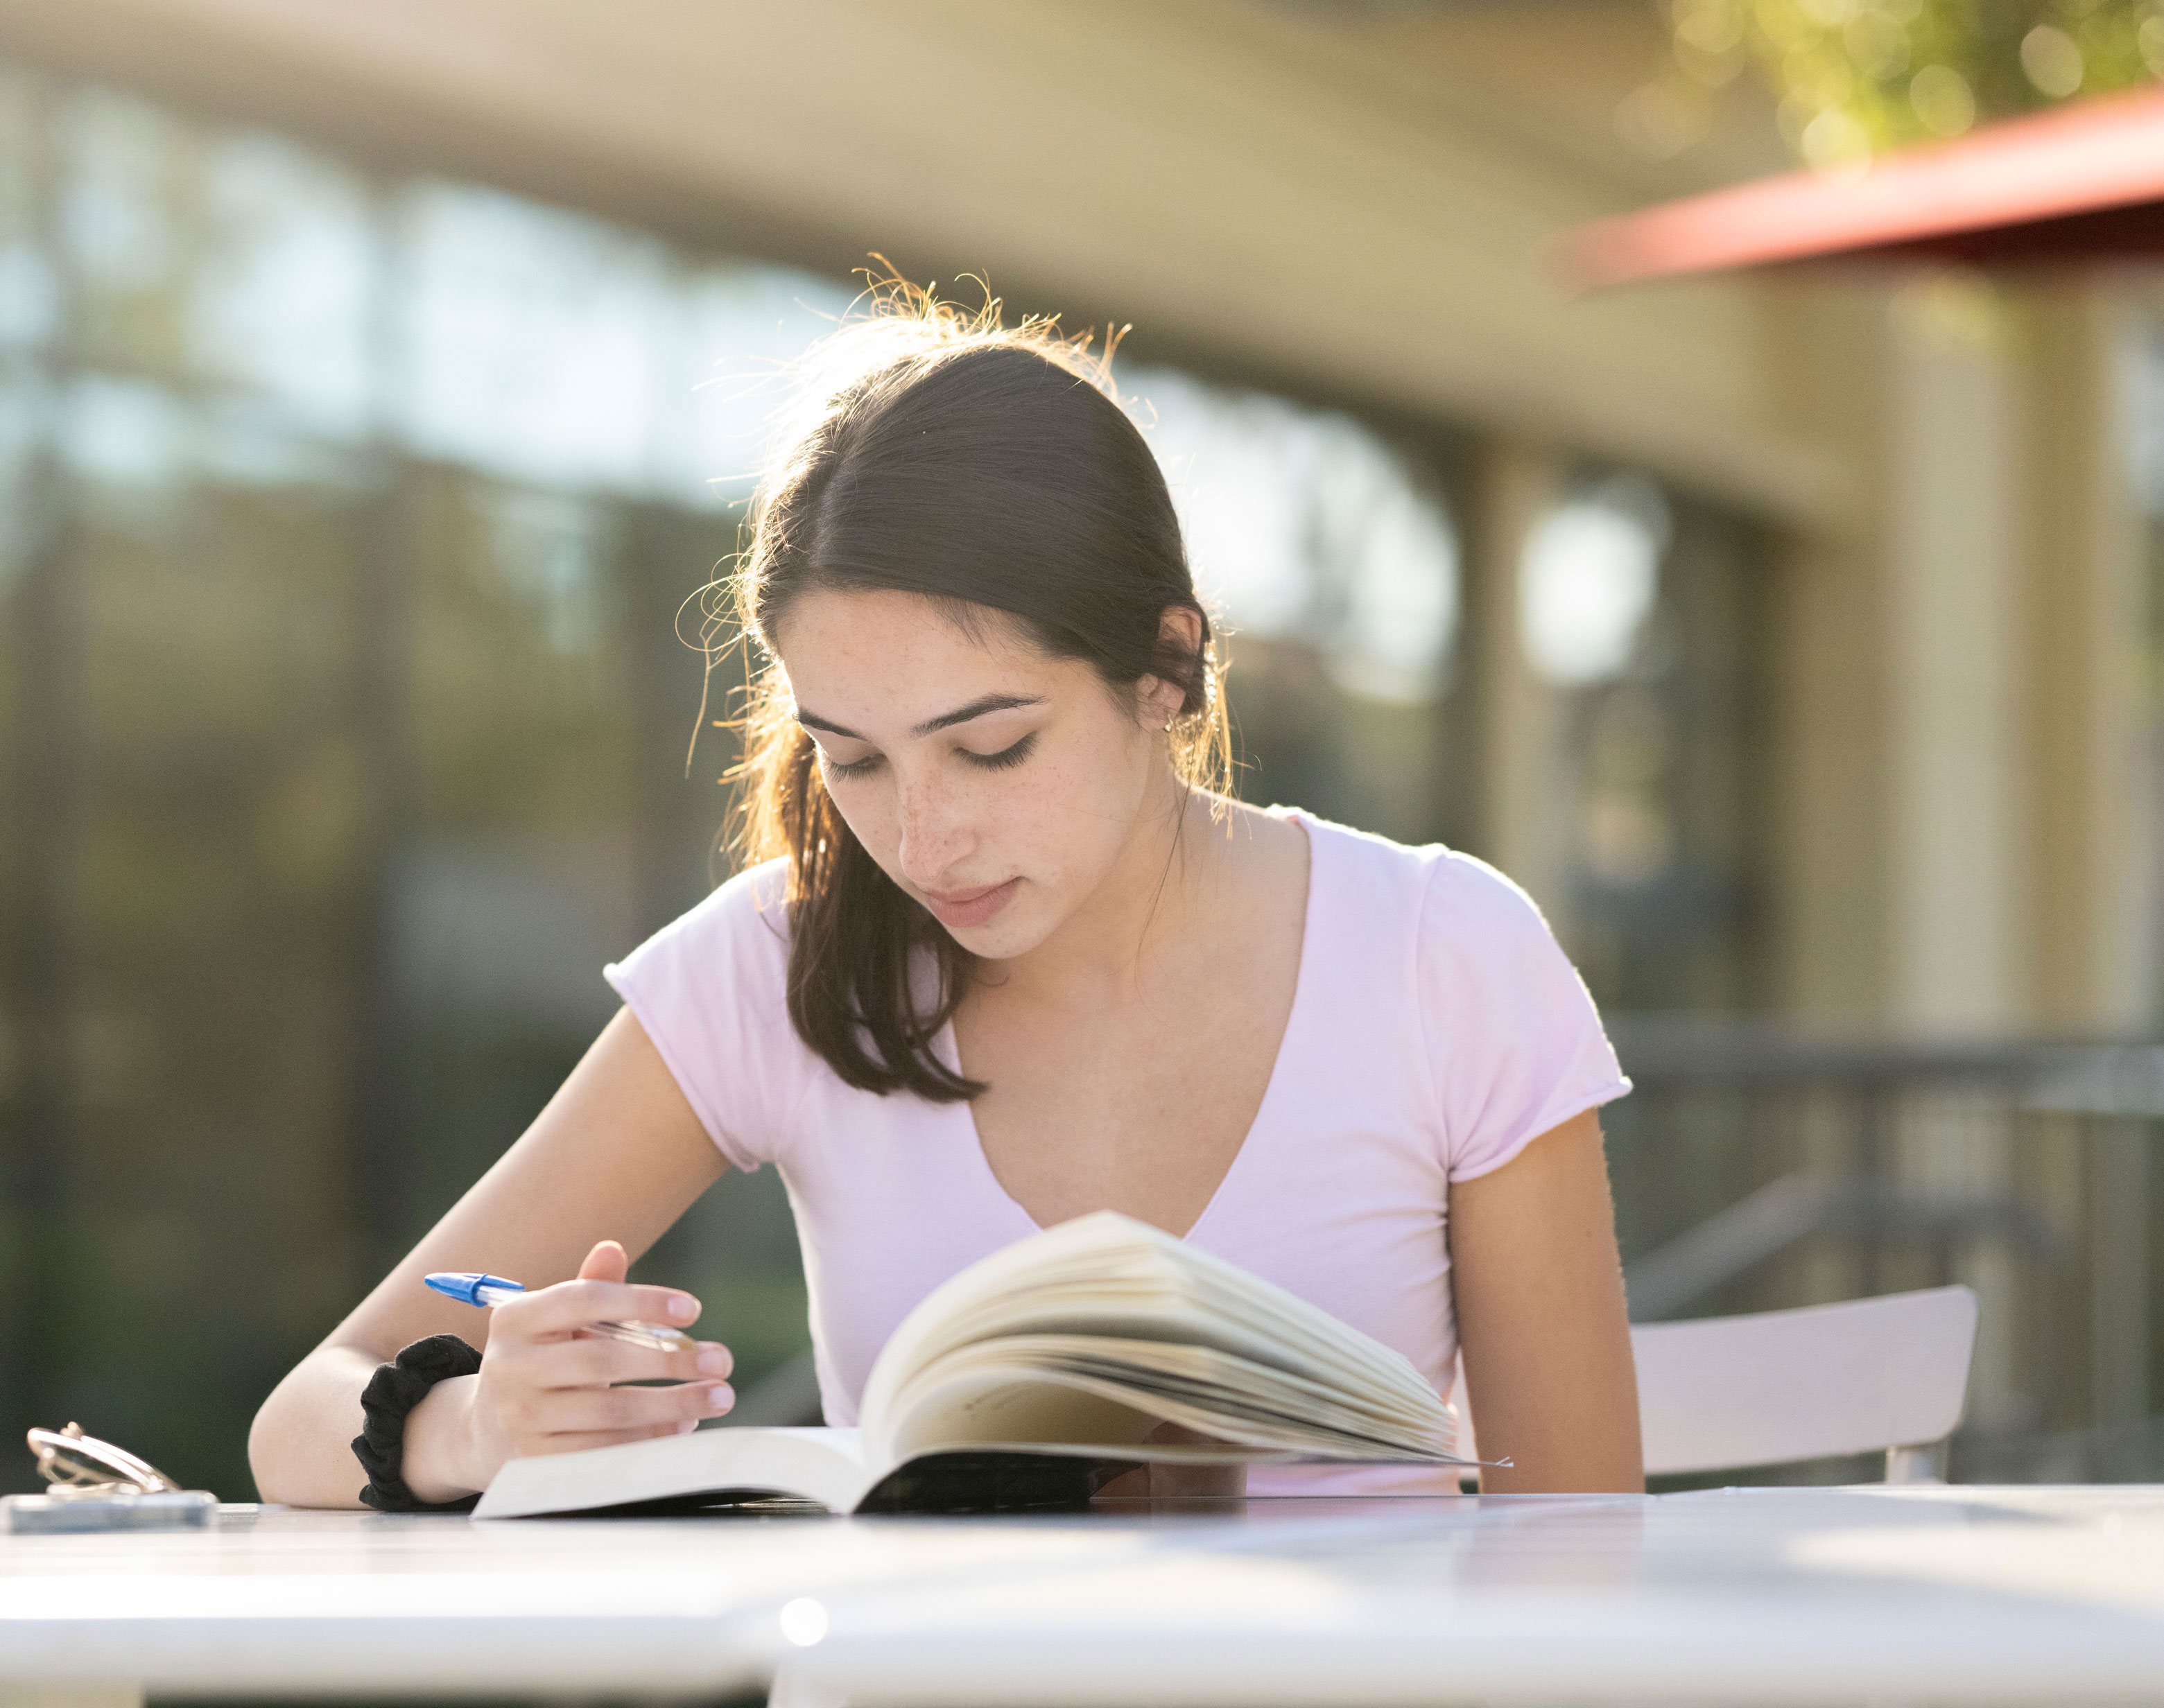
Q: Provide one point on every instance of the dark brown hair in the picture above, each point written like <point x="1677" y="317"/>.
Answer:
<point x="983" y="467"/>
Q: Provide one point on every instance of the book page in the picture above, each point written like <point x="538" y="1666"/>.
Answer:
<point x="826" y="1465"/>
<point x="1072" y="1392"/>
<point x="1284" y="1370"/>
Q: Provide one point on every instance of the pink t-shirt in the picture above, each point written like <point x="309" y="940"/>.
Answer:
<point x="1436" y="1029"/>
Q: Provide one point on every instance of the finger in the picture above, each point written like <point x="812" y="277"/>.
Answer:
<point x="605" y="1262"/>
<point x="569" y="1306"/>
<point x="608" y="1437"/>
<point x="595" y="1363"/>
<point x="583" y="1410"/>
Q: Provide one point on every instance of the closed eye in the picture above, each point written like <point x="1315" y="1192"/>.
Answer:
<point x="855" y="767"/>
<point x="1005" y="758"/>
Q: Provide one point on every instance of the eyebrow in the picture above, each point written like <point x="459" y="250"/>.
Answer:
<point x="977" y="708"/>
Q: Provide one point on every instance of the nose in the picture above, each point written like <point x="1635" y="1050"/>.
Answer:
<point x="936" y="835"/>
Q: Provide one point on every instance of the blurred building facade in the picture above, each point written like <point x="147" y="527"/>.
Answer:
<point x="377" y="384"/>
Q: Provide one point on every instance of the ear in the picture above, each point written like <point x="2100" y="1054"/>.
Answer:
<point x="1156" y="700"/>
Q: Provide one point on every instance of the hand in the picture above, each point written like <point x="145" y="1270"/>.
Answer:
<point x="544" y="1388"/>
<point x="1176" y="1481"/>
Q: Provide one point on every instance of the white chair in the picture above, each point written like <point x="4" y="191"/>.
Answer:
<point x="1726" y="1392"/>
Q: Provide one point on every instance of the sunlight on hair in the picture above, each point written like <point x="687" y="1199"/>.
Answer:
<point x="893" y="320"/>
<point x="892" y="324"/>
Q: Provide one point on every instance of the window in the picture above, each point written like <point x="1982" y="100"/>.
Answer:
<point x="1641" y="612"/>
<point x="2143" y="395"/>
<point x="1330" y="554"/>
<point x="346" y="520"/>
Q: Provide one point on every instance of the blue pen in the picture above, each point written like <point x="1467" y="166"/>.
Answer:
<point x="477" y="1289"/>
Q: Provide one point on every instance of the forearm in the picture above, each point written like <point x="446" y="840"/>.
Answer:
<point x="616" y="1155"/>
<point x="301" y="1445"/>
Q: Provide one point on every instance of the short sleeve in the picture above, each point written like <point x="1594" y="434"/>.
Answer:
<point x="710" y="988"/>
<point x="1513" y="1038"/>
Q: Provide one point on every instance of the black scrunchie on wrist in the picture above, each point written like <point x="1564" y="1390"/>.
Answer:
<point x="392" y="1391"/>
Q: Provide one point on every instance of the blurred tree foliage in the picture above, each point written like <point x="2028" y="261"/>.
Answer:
<point x="1855" y="77"/>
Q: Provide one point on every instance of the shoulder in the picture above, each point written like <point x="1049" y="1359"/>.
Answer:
<point x="1470" y="941"/>
<point x="710" y="989"/>
<point x="754" y="903"/>
<point x="739" y="934"/>
<point x="1468" y="902"/>
<point x="1344" y="859"/>
<point x="1451" y="895"/>
<point x="1508" y="1041"/>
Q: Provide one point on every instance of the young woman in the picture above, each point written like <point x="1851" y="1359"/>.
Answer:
<point x="1013" y="962"/>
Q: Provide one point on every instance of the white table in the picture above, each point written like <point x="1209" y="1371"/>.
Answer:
<point x="331" y="1603"/>
<point x="1775" y="1595"/>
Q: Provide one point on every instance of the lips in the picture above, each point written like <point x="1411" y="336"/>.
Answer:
<point x="962" y="910"/>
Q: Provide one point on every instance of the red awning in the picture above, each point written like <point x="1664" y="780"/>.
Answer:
<point x="2085" y="179"/>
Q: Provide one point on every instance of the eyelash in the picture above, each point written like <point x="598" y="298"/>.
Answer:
<point x="1005" y="760"/>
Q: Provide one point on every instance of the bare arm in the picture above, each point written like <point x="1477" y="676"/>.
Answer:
<point x="617" y="1155"/>
<point x="1540" y="1318"/>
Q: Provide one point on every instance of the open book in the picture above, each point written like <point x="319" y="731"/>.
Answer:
<point x="1031" y="1379"/>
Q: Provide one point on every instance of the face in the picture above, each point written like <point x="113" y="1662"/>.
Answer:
<point x="997" y="785"/>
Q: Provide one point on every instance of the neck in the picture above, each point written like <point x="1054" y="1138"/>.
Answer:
<point x="1150" y="900"/>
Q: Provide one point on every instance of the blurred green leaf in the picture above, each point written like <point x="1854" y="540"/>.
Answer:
<point x="1858" y="77"/>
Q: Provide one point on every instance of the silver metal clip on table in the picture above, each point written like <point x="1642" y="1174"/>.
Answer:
<point x="92" y="1485"/>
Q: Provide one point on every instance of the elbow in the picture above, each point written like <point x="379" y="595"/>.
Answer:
<point x="266" y="1436"/>
<point x="296" y="1455"/>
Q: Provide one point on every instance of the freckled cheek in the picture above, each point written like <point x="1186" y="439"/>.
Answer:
<point x="1049" y="826"/>
<point x="1038" y="826"/>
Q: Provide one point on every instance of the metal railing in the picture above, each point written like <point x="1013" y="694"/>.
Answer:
<point x="1755" y="1168"/>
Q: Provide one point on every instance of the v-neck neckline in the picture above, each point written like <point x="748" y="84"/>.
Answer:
<point x="950" y="1050"/>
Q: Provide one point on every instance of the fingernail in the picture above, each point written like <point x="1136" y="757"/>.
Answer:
<point x="713" y="1360"/>
<point x="719" y="1399"/>
<point x="681" y="1308"/>
<point x="687" y="1426"/>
